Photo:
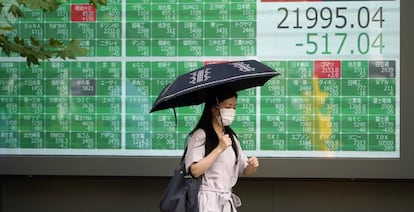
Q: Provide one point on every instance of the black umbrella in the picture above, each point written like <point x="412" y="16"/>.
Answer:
<point x="192" y="88"/>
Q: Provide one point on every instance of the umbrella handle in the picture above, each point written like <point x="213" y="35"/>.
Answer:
<point x="221" y="120"/>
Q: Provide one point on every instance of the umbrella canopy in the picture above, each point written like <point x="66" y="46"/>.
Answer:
<point x="192" y="88"/>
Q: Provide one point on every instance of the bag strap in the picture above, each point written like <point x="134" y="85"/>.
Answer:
<point x="185" y="152"/>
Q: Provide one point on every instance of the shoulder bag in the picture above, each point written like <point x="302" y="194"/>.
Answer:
<point x="181" y="194"/>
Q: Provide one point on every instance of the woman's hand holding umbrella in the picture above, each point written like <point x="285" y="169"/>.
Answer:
<point x="224" y="142"/>
<point x="197" y="169"/>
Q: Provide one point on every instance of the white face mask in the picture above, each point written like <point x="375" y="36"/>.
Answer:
<point x="227" y="116"/>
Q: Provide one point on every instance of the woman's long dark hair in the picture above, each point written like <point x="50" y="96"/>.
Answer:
<point x="205" y="122"/>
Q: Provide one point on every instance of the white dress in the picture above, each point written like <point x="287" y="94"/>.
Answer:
<point x="217" y="182"/>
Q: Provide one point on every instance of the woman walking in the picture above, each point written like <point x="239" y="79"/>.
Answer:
<point x="214" y="154"/>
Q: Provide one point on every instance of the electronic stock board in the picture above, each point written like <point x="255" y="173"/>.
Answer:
<point x="337" y="95"/>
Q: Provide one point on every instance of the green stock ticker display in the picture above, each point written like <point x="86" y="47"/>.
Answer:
<point x="337" y="95"/>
